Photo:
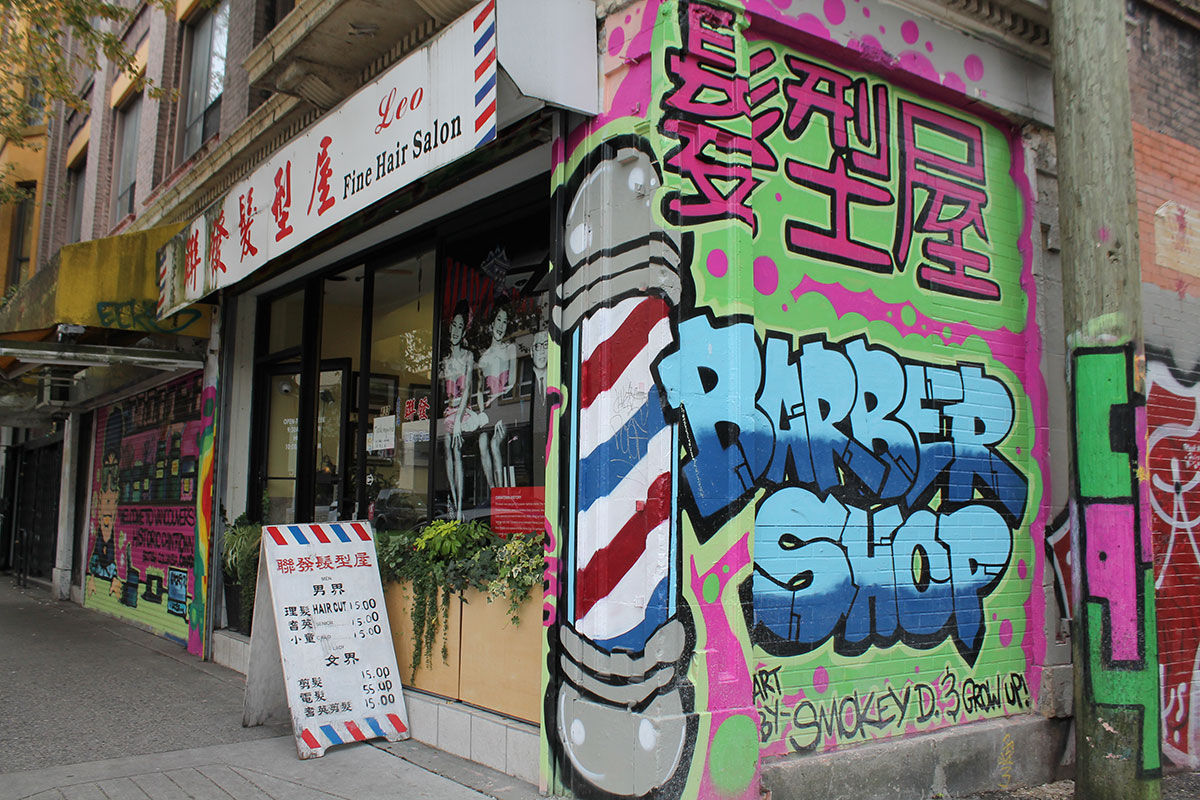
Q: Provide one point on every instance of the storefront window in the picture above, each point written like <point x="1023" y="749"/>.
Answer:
<point x="286" y="323"/>
<point x="447" y="419"/>
<point x="492" y="427"/>
<point x="400" y="399"/>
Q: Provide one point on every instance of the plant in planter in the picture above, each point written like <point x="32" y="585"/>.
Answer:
<point x="446" y="558"/>
<point x="521" y="564"/>
<point x="239" y="560"/>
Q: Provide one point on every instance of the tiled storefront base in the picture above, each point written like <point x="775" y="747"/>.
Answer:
<point x="230" y="649"/>
<point x="503" y="744"/>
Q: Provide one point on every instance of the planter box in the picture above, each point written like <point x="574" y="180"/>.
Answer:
<point x="500" y="668"/>
<point x="492" y="663"/>
<point x="442" y="677"/>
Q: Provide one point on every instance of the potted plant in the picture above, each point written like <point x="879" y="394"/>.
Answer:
<point x="239" y="562"/>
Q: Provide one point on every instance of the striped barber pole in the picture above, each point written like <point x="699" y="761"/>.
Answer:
<point x="342" y="732"/>
<point x="323" y="533"/>
<point x="162" y="285"/>
<point x="485" y="74"/>
<point x="623" y="516"/>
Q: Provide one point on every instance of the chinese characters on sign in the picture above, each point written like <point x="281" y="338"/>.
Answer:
<point x="339" y="665"/>
<point x="421" y="114"/>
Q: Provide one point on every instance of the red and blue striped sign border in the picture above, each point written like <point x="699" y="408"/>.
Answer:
<point x="332" y="733"/>
<point x="323" y="533"/>
<point x="485" y="74"/>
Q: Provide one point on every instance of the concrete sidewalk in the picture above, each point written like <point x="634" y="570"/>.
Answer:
<point x="95" y="708"/>
<point x="267" y="768"/>
<point x="1180" y="786"/>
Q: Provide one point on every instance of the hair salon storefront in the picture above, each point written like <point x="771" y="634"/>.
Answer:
<point x="384" y="279"/>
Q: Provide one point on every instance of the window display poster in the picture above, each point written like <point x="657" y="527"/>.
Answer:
<point x="334" y="640"/>
<point x="493" y="317"/>
<point x="142" y="526"/>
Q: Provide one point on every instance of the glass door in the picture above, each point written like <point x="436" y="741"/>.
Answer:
<point x="282" y="442"/>
<point x="333" y="446"/>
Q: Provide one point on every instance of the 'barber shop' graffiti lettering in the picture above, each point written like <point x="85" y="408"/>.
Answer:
<point x="849" y="419"/>
<point x="863" y="442"/>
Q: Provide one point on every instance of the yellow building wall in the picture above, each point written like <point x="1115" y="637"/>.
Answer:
<point x="28" y="163"/>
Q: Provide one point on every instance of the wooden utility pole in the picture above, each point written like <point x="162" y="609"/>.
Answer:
<point x="1114" y="640"/>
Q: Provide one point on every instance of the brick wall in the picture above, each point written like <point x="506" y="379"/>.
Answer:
<point x="159" y="163"/>
<point x="1164" y="61"/>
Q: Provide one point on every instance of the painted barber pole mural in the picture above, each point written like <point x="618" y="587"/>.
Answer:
<point x="801" y="446"/>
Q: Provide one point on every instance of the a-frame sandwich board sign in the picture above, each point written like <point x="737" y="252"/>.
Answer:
<point x="321" y="649"/>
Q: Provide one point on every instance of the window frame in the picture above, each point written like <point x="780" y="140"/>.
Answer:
<point x="76" y="197"/>
<point x="198" y="126"/>
<point x="129" y="116"/>
<point x="21" y="234"/>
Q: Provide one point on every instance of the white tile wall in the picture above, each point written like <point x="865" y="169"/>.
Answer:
<point x="502" y="744"/>
<point x="231" y="650"/>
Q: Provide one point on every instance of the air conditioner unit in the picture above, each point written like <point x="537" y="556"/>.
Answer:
<point x="53" y="391"/>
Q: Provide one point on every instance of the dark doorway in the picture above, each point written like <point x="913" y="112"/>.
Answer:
<point x="39" y="472"/>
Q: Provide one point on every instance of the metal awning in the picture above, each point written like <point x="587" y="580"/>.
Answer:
<point x="85" y="324"/>
<point x="68" y="354"/>
<point x="104" y="284"/>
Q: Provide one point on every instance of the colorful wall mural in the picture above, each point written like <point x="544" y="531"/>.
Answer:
<point x="148" y="482"/>
<point x="800" y="444"/>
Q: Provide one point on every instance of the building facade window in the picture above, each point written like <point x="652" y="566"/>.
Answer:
<point x="22" y="235"/>
<point x="206" y="77"/>
<point x="75" y="197"/>
<point x="128" y="121"/>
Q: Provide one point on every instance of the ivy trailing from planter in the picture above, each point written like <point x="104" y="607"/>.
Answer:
<point x="448" y="557"/>
<point x="521" y="563"/>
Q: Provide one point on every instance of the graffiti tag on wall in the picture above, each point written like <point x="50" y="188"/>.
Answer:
<point x="1173" y="420"/>
<point x="1116" y="576"/>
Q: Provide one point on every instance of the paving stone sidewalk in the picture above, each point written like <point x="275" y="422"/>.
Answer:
<point x="94" y="708"/>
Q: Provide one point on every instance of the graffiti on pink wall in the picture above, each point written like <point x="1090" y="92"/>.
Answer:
<point x="145" y="487"/>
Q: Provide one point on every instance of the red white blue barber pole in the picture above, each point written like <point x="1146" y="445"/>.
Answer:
<point x="484" y="27"/>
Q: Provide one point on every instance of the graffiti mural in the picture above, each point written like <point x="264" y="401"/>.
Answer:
<point x="1116" y="576"/>
<point x="799" y="448"/>
<point x="1173" y="458"/>
<point x="145" y="489"/>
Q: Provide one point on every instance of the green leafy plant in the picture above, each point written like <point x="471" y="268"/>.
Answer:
<point x="521" y="563"/>
<point x="447" y="557"/>
<point x="239" y="558"/>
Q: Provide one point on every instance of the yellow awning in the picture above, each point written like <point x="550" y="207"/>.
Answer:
<point x="103" y="283"/>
